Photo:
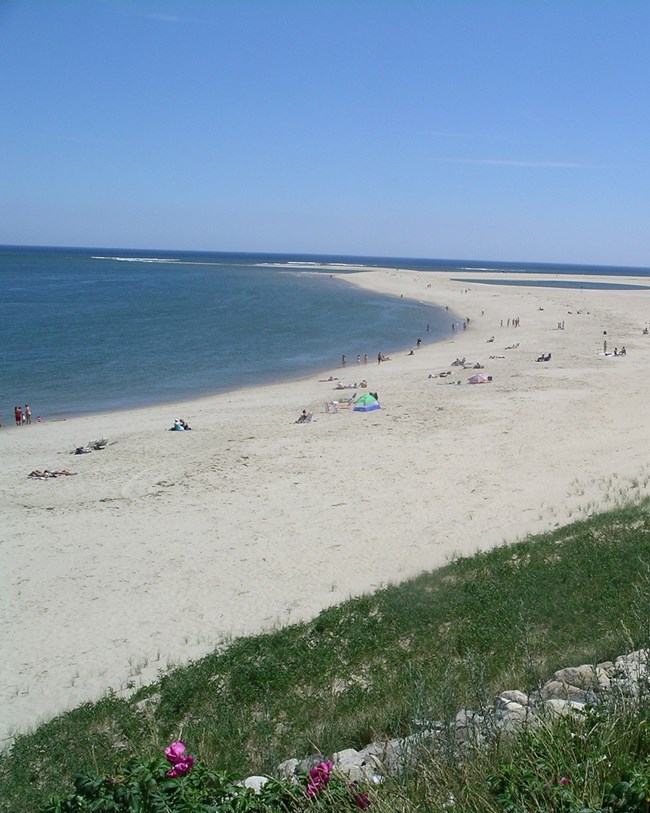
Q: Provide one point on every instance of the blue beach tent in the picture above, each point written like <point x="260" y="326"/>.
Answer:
<point x="366" y="403"/>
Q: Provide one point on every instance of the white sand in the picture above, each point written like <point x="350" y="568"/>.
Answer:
<point x="167" y="543"/>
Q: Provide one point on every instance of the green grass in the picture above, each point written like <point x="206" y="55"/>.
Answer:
<point x="368" y="668"/>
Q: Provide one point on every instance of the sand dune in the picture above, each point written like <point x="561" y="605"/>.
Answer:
<point x="167" y="543"/>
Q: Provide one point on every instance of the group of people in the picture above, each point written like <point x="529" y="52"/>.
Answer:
<point x="23" y="417"/>
<point x="617" y="352"/>
<point x="342" y="386"/>
<point x="344" y="359"/>
<point x="380" y="357"/>
<point x="46" y="474"/>
<point x="180" y="426"/>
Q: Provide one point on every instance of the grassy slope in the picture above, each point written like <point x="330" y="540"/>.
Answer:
<point x="368" y="668"/>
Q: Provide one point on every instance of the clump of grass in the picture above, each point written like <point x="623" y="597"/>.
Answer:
<point x="366" y="669"/>
<point x="581" y="763"/>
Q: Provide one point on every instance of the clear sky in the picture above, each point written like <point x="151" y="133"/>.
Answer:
<point x="426" y="128"/>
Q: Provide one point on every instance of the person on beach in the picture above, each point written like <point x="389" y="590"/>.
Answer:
<point x="19" y="416"/>
<point x="419" y="343"/>
<point x="378" y="358"/>
<point x="365" y="358"/>
<point x="344" y="361"/>
<point x="28" y="414"/>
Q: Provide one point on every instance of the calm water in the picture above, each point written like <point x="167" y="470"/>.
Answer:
<point x="85" y="330"/>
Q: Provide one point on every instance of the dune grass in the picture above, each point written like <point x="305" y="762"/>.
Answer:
<point x="374" y="667"/>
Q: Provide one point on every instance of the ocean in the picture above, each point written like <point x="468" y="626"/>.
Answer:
<point x="90" y="330"/>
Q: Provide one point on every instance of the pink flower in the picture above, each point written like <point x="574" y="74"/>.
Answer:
<point x="182" y="763"/>
<point x="181" y="768"/>
<point x="565" y="780"/>
<point x="361" y="800"/>
<point x="175" y="752"/>
<point x="318" y="778"/>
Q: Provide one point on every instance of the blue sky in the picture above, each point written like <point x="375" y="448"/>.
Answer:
<point x="448" y="128"/>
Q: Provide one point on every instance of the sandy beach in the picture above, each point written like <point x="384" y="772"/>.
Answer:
<point x="166" y="543"/>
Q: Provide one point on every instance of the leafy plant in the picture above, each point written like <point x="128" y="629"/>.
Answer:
<point x="153" y="787"/>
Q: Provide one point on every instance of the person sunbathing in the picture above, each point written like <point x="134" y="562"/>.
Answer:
<point x="46" y="474"/>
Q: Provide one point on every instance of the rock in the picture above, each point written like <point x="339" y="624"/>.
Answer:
<point x="347" y="757"/>
<point x="560" y="707"/>
<point x="631" y="672"/>
<point x="305" y="765"/>
<point x="607" y="667"/>
<point x="584" y="677"/>
<point x="288" y="769"/>
<point x="568" y="691"/>
<point x="372" y="755"/>
<point x="564" y="691"/>
<point x="349" y="763"/>
<point x="513" y="696"/>
<point x="469" y="727"/>
<point x="385" y="757"/>
<point x="513" y="718"/>
<point x="256" y="783"/>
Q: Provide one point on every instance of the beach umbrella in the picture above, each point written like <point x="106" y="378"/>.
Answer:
<point x="366" y="403"/>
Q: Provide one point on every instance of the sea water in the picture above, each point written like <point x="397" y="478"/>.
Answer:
<point x="88" y="330"/>
<point x="92" y="330"/>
